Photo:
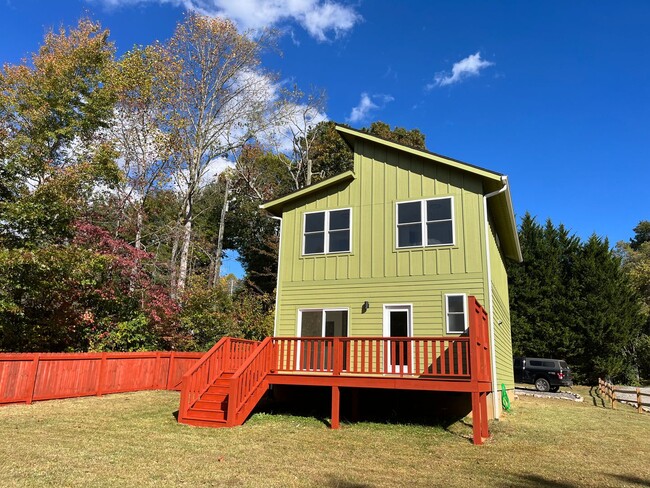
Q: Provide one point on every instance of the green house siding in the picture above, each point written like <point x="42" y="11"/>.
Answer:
<point x="375" y="270"/>
<point x="425" y="296"/>
<point x="500" y="315"/>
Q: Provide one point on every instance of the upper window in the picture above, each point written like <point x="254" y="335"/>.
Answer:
<point x="456" y="313"/>
<point x="425" y="222"/>
<point x="327" y="232"/>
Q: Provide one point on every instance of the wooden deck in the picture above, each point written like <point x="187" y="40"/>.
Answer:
<point x="223" y="388"/>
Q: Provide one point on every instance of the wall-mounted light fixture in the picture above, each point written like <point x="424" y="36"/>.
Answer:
<point x="365" y="306"/>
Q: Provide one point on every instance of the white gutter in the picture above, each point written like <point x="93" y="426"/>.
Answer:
<point x="495" y="399"/>
<point x="277" y="278"/>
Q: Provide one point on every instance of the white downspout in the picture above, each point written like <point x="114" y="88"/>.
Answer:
<point x="277" y="282"/>
<point x="495" y="399"/>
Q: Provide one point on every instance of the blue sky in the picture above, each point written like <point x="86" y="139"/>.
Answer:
<point x="554" y="94"/>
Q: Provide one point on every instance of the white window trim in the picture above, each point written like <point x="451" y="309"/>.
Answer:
<point x="465" y="314"/>
<point x="323" y="322"/>
<point x="326" y="244"/>
<point x="423" y="223"/>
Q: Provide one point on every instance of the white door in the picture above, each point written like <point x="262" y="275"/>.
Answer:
<point x="397" y="323"/>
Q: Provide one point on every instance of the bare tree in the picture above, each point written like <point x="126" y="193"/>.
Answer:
<point x="224" y="99"/>
<point x="294" y="136"/>
<point x="143" y="82"/>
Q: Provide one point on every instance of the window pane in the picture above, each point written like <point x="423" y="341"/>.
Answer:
<point x="339" y="241"/>
<point x="315" y="222"/>
<point x="439" y="209"/>
<point x="409" y="235"/>
<point x="456" y="322"/>
<point x="440" y="233"/>
<point x="340" y="219"/>
<point x="455" y="303"/>
<point x="409" y="212"/>
<point x="315" y="243"/>
<point x="312" y="324"/>
<point x="336" y="323"/>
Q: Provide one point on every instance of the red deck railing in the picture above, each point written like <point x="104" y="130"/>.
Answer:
<point x="443" y="357"/>
<point x="226" y="355"/>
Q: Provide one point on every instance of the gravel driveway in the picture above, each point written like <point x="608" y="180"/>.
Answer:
<point x="560" y="395"/>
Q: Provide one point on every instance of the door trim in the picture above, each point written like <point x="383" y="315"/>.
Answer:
<point x="388" y="308"/>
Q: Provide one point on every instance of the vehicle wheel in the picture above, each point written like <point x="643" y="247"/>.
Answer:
<point x="542" y="384"/>
<point x="554" y="389"/>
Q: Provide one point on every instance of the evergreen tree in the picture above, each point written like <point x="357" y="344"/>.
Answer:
<point x="571" y="300"/>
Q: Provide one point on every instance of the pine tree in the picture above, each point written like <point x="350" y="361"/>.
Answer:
<point x="571" y="300"/>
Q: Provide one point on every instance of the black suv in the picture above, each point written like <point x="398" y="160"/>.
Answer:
<point x="545" y="374"/>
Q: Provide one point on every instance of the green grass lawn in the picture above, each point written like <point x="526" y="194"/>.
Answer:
<point x="134" y="440"/>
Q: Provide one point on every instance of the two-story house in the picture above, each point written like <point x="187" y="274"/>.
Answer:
<point x="395" y="271"/>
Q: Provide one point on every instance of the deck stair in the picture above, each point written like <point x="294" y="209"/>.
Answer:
<point x="222" y="389"/>
<point x="211" y="408"/>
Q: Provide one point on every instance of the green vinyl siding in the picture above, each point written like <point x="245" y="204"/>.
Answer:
<point x="426" y="297"/>
<point x="375" y="270"/>
<point x="500" y="315"/>
<point x="372" y="196"/>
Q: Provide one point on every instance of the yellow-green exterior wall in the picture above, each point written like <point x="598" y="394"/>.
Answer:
<point x="374" y="270"/>
<point x="501" y="315"/>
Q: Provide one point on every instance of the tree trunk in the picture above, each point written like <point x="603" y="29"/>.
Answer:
<point x="138" y="229"/>
<point x="138" y="246"/>
<point x="185" y="249"/>
<point x="222" y="223"/>
<point x="308" y="178"/>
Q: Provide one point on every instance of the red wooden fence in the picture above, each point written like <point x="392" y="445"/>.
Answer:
<point x="29" y="377"/>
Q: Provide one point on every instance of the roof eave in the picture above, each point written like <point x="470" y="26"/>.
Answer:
<point x="275" y="206"/>
<point x="349" y="135"/>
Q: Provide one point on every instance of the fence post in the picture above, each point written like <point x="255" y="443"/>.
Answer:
<point x="32" y="379"/>
<point x="170" y="371"/>
<point x="102" y="372"/>
<point x="613" y="396"/>
<point x="639" y="408"/>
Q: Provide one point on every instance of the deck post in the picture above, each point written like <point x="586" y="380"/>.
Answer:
<point x="476" y="418"/>
<point x="485" y="433"/>
<point x="336" y="397"/>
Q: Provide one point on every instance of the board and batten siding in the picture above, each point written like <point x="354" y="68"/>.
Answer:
<point x="375" y="270"/>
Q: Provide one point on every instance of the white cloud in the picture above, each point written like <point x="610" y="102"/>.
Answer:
<point x="318" y="17"/>
<point x="366" y="105"/>
<point x="465" y="68"/>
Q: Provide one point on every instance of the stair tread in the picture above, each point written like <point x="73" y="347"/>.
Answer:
<point x="216" y="421"/>
<point x="211" y="403"/>
<point x="201" y="409"/>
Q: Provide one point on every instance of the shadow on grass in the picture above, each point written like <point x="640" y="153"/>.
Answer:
<point x="526" y="480"/>
<point x="630" y="479"/>
<point x="388" y="407"/>
<point x="175" y="415"/>
<point x="594" y="393"/>
<point x="336" y="482"/>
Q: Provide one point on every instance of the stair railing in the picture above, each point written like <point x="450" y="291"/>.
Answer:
<point x="249" y="383"/>
<point x="226" y="355"/>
